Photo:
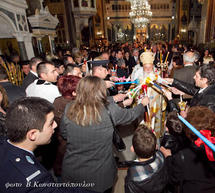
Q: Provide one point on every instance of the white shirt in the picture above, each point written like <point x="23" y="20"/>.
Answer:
<point x="136" y="58"/>
<point x="201" y="90"/>
<point x="46" y="90"/>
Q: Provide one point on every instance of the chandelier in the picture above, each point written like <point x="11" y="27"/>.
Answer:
<point x="140" y="14"/>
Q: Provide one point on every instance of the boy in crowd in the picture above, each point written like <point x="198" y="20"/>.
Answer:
<point x="148" y="173"/>
<point x="30" y="123"/>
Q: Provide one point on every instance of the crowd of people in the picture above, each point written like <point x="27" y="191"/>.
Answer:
<point x="59" y="113"/>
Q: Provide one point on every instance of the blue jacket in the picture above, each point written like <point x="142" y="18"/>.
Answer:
<point x="20" y="172"/>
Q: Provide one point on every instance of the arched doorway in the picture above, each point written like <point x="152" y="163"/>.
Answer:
<point x="8" y="42"/>
<point x="14" y="32"/>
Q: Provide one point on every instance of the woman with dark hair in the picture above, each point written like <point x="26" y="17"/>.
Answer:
<point x="67" y="87"/>
<point x="59" y="65"/>
<point x="174" y="138"/>
<point x="193" y="168"/>
<point x="88" y="130"/>
<point x="177" y="63"/>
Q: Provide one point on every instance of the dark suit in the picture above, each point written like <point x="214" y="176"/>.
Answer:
<point x="13" y="92"/>
<point x="20" y="172"/>
<point x="205" y="98"/>
<point x="28" y="80"/>
<point x="133" y="63"/>
<point x="185" y="74"/>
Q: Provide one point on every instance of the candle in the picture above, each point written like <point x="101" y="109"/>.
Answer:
<point x="154" y="107"/>
<point x="153" y="123"/>
<point x="166" y="57"/>
<point x="144" y="87"/>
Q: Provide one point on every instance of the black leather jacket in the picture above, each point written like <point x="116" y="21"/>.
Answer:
<point x="205" y="98"/>
<point x="147" y="177"/>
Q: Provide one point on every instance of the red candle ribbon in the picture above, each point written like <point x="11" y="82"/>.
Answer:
<point x="144" y="87"/>
<point x="199" y="142"/>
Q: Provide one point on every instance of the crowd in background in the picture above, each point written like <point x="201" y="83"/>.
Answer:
<point x="80" y="83"/>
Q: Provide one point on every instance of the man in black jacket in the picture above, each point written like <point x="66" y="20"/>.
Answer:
<point x="134" y="60"/>
<point x="32" y="75"/>
<point x="204" y="90"/>
<point x="13" y="92"/>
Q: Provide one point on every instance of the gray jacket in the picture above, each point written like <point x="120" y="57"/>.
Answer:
<point x="89" y="156"/>
<point x="185" y="74"/>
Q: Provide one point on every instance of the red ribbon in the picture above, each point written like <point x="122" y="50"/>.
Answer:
<point x="199" y="142"/>
<point x="144" y="87"/>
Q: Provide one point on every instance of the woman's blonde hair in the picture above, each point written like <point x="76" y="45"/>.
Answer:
<point x="90" y="101"/>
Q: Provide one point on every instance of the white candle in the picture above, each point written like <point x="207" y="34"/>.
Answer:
<point x="154" y="107"/>
<point x="153" y="123"/>
<point x="181" y="98"/>
<point x="153" y="118"/>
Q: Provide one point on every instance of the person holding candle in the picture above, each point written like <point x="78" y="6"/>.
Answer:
<point x="88" y="130"/>
<point x="203" y="91"/>
<point x="193" y="168"/>
<point x="153" y="92"/>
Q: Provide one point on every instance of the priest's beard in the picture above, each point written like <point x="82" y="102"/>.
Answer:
<point x="146" y="74"/>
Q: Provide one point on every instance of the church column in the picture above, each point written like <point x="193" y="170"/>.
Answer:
<point x="29" y="46"/>
<point x="20" y="39"/>
<point x="202" y="37"/>
<point x="71" y="22"/>
<point x="169" y="32"/>
<point x="78" y="31"/>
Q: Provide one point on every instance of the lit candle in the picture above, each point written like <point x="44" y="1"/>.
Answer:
<point x="154" y="107"/>
<point x="166" y="57"/>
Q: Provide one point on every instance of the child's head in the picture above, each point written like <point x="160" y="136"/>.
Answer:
<point x="173" y="124"/>
<point x="30" y="119"/>
<point x="144" y="142"/>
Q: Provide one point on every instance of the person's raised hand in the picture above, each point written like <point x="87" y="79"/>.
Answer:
<point x="169" y="80"/>
<point x="145" y="101"/>
<point x="168" y="94"/>
<point x="166" y="152"/>
<point x="119" y="97"/>
<point x="109" y="84"/>
<point x="127" y="102"/>
<point x="176" y="91"/>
